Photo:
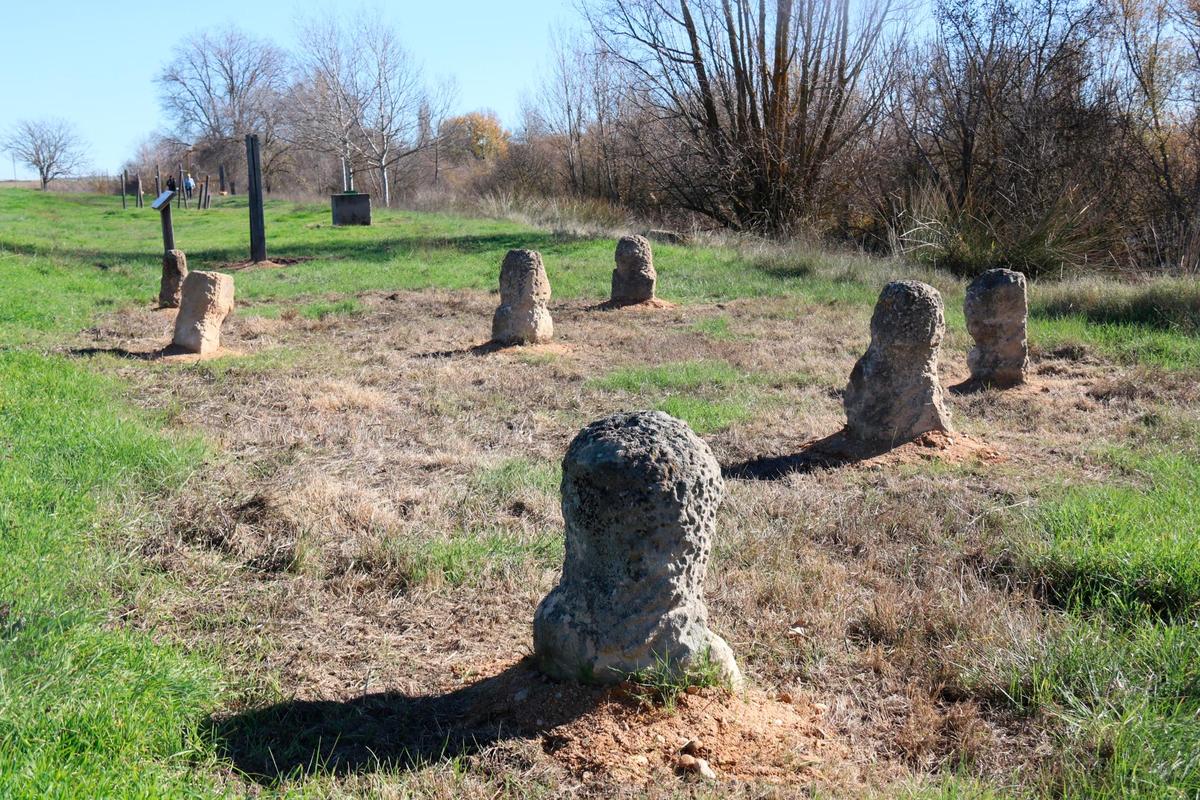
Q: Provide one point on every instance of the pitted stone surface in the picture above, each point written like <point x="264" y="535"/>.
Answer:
<point x="523" y="317"/>
<point x="894" y="395"/>
<point x="997" y="310"/>
<point x="634" y="278"/>
<point x="640" y="493"/>
<point x="207" y="299"/>
<point x="174" y="270"/>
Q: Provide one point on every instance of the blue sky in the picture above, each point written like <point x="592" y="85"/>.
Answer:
<point x="93" y="62"/>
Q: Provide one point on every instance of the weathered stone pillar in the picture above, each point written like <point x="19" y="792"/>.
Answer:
<point x="523" y="317"/>
<point x="997" y="310"/>
<point x="207" y="299"/>
<point x="174" y="270"/>
<point x="894" y="395"/>
<point x="640" y="493"/>
<point x="634" y="278"/>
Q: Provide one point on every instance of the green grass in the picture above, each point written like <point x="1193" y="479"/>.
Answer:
<point x="323" y="309"/>
<point x="1125" y="342"/>
<point x="468" y="556"/>
<point x="1119" y="680"/>
<point x="42" y="297"/>
<point x="514" y="475"/>
<point x="680" y="389"/>
<point x="402" y="250"/>
<point x="87" y="707"/>
<point x="679" y="376"/>
<point x="1125" y="544"/>
<point x="1127" y="703"/>
<point x="662" y="682"/>
<point x="707" y="416"/>
<point x="65" y="259"/>
<point x="1168" y="303"/>
<point x="715" y="328"/>
<point x="708" y="395"/>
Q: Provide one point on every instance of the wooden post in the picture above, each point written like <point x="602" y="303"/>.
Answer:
<point x="157" y="181"/>
<point x="182" y="192"/>
<point x="168" y="227"/>
<point x="137" y="180"/>
<point x="207" y="193"/>
<point x="258" y="232"/>
<point x="221" y="178"/>
<point x="124" y="186"/>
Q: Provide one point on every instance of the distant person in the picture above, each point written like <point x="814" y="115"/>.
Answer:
<point x="171" y="185"/>
<point x="189" y="186"/>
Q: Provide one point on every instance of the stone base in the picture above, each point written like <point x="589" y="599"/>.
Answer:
<point x="568" y="646"/>
<point x="889" y="406"/>
<point x="1003" y="367"/>
<point x="351" y="209"/>
<point x="516" y="325"/>
<point x="629" y="289"/>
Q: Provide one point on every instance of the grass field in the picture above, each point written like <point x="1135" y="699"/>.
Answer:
<point x="283" y="571"/>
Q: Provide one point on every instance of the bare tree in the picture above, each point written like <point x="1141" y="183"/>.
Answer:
<point x="224" y="84"/>
<point x="397" y="113"/>
<point x="562" y="104"/>
<point x="326" y="98"/>
<point x="51" y="146"/>
<point x="1157" y="88"/>
<point x="363" y="97"/>
<point x="755" y="103"/>
<point x="1004" y="122"/>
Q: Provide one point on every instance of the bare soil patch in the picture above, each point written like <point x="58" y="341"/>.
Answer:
<point x="377" y="526"/>
<point x="595" y="735"/>
<point x="271" y="263"/>
<point x="646" y="305"/>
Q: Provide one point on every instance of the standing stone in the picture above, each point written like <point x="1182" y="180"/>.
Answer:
<point x="207" y="300"/>
<point x="894" y="395"/>
<point x="640" y="493"/>
<point x="174" y="270"/>
<point x="522" y="317"/>
<point x="633" y="279"/>
<point x="997" y="309"/>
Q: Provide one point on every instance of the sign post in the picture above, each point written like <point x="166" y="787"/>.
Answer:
<point x="258" y="232"/>
<point x="162" y="204"/>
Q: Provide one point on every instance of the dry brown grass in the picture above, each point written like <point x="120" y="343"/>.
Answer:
<point x="356" y="534"/>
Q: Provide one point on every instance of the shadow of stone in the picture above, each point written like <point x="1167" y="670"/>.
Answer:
<point x="968" y="387"/>
<point x="830" y="452"/>
<point x="975" y="386"/>
<point x="392" y="730"/>
<point x="487" y="348"/>
<point x="120" y="352"/>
